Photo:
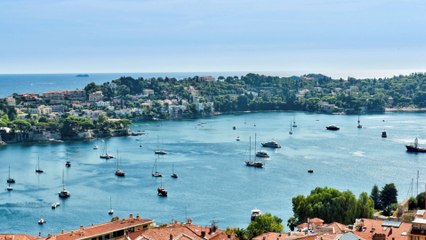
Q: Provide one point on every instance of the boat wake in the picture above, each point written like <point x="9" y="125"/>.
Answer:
<point x="358" y="154"/>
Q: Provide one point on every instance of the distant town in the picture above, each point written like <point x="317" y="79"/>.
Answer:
<point x="108" y="109"/>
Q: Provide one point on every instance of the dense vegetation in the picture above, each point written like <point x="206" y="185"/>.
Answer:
<point x="386" y="199"/>
<point x="258" y="92"/>
<point x="261" y="224"/>
<point x="331" y="205"/>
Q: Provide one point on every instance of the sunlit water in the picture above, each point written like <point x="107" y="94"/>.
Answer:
<point x="213" y="184"/>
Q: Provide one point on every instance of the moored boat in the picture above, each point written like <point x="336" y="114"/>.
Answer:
<point x="41" y="221"/>
<point x="255" y="213"/>
<point x="64" y="193"/>
<point x="271" y="144"/>
<point x="332" y="128"/>
<point x="55" y="205"/>
<point x="384" y="134"/>
<point x="262" y="154"/>
<point x="415" y="147"/>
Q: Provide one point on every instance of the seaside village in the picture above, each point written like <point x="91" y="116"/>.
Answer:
<point x="138" y="228"/>
<point x="53" y="104"/>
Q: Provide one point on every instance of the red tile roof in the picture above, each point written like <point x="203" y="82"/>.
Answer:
<point x="371" y="227"/>
<point x="180" y="231"/>
<point x="283" y="236"/>
<point x="100" y="229"/>
<point x="17" y="237"/>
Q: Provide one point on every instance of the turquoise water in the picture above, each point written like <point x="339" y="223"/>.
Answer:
<point x="213" y="182"/>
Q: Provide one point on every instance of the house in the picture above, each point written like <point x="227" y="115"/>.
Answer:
<point x="54" y="96"/>
<point x="10" y="101"/>
<point x="76" y="95"/>
<point x="179" y="230"/>
<point x="115" y="229"/>
<point x="147" y="92"/>
<point x="377" y="229"/>
<point x="284" y="236"/>
<point x="96" y="96"/>
<point x="418" y="228"/>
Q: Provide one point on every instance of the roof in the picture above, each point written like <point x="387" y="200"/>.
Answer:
<point x="288" y="236"/>
<point x="316" y="220"/>
<point x="100" y="229"/>
<point x="17" y="237"/>
<point x="180" y="231"/>
<point x="349" y="236"/>
<point x="419" y="220"/>
<point x="371" y="227"/>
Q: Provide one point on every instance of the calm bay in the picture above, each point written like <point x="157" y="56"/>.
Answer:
<point x="213" y="184"/>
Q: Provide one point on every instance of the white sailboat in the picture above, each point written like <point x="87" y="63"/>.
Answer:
<point x="159" y="151"/>
<point x="174" y="175"/>
<point x="105" y="155"/>
<point x="155" y="172"/>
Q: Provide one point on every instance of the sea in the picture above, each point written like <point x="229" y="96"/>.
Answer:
<point x="213" y="184"/>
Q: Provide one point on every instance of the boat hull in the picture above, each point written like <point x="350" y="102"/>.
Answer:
<point x="415" y="149"/>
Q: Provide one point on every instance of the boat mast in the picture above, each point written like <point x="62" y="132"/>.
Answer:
<point x="250" y="150"/>
<point x="63" y="184"/>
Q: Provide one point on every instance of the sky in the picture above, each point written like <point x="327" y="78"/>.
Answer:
<point x="340" y="38"/>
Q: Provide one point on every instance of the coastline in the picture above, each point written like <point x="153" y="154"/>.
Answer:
<point x="405" y="109"/>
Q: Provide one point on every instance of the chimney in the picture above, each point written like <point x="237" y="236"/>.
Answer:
<point x="189" y="220"/>
<point x="264" y="238"/>
<point x="171" y="237"/>
<point x="81" y="227"/>
<point x="62" y="231"/>
<point x="203" y="234"/>
<point x="131" y="216"/>
<point x="137" y="216"/>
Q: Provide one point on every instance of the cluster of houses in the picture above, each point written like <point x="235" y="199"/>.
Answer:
<point x="136" y="228"/>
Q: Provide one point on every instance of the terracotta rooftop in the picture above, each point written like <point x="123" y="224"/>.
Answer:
<point x="100" y="229"/>
<point x="367" y="228"/>
<point x="284" y="236"/>
<point x="180" y="231"/>
<point x="17" y="237"/>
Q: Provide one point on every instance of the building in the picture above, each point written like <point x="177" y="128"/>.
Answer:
<point x="17" y="237"/>
<point x="179" y="230"/>
<point x="418" y="228"/>
<point x="10" y="101"/>
<point x="147" y="92"/>
<point x="381" y="229"/>
<point x="96" y="96"/>
<point x="54" y="96"/>
<point x="110" y="230"/>
<point x="284" y="236"/>
<point x="76" y="95"/>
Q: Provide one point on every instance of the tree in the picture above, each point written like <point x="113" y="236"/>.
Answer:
<point x="292" y="223"/>
<point x="264" y="223"/>
<point x="388" y="196"/>
<point x="365" y="206"/>
<point x="421" y="200"/>
<point x="375" y="195"/>
<point x="412" y="203"/>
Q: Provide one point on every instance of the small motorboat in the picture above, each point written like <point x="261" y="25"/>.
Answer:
<point x="234" y="128"/>
<point x="156" y="174"/>
<point x="262" y="154"/>
<point x="237" y="139"/>
<point x="111" y="211"/>
<point x="67" y="164"/>
<point x="55" y="205"/>
<point x="41" y="221"/>
<point x="9" y="188"/>
<point x="255" y="213"/>
<point x="160" y="152"/>
<point x="162" y="192"/>
<point x="332" y="128"/>
<point x="310" y="171"/>
<point x="120" y="173"/>
<point x="384" y="134"/>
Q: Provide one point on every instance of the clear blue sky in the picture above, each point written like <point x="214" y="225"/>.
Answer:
<point x="335" y="37"/>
